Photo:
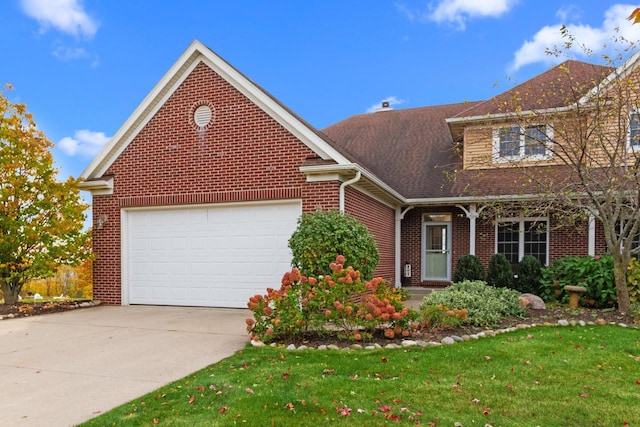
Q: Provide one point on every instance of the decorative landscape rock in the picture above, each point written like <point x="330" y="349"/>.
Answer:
<point x="532" y="301"/>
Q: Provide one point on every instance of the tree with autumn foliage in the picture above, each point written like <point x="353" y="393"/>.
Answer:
<point x="41" y="218"/>
<point x="581" y="149"/>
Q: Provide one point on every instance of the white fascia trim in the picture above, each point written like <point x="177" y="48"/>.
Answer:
<point x="354" y="167"/>
<point x="619" y="73"/>
<point x="103" y="187"/>
<point x="463" y="200"/>
<point x="510" y="115"/>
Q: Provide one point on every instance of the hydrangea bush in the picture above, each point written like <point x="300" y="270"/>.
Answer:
<point x="340" y="302"/>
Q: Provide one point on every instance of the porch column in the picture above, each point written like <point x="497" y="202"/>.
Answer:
<point x="472" y="213"/>
<point x="399" y="217"/>
<point x="591" y="249"/>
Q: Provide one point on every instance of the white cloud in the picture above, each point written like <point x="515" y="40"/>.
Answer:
<point x="392" y="100"/>
<point x="84" y="142"/>
<point x="593" y="39"/>
<point x="457" y="12"/>
<point x="67" y="16"/>
<point x="65" y="53"/>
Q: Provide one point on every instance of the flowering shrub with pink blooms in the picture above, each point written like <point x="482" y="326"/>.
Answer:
<point x="339" y="302"/>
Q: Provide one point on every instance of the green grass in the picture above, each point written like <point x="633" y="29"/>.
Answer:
<point x="544" y="376"/>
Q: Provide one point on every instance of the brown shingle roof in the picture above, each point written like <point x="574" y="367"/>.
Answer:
<point x="410" y="150"/>
<point x="559" y="86"/>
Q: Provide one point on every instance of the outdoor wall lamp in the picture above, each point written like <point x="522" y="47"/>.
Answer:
<point x="102" y="220"/>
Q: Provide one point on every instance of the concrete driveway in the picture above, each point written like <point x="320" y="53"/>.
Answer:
<point x="62" y="369"/>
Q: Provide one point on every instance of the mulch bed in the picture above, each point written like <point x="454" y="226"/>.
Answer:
<point x="538" y="317"/>
<point x="37" y="308"/>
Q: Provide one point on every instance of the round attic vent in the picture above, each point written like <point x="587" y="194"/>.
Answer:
<point x="202" y="116"/>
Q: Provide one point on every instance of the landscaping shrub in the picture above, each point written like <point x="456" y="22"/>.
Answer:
<point x="594" y="273"/>
<point x="633" y="280"/>
<point x="321" y="236"/>
<point x="485" y="305"/>
<point x="437" y="316"/>
<point x="468" y="267"/>
<point x="339" y="301"/>
<point x="499" y="273"/>
<point x="529" y="275"/>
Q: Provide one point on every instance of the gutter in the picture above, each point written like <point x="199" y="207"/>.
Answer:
<point x="344" y="185"/>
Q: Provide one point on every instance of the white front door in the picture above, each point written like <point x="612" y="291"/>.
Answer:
<point x="437" y="250"/>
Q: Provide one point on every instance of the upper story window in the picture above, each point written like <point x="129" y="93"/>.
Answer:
<point x="634" y="131"/>
<point x="521" y="143"/>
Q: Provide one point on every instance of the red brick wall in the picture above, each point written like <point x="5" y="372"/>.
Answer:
<point x="380" y="220"/>
<point x="243" y="155"/>
<point x="562" y="241"/>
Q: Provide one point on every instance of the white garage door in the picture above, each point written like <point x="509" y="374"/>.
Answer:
<point x="214" y="256"/>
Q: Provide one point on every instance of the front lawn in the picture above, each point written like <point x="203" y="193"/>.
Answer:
<point x="542" y="376"/>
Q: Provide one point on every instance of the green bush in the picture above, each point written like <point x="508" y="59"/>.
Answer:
<point x="321" y="236"/>
<point x="499" y="273"/>
<point x="468" y="267"/>
<point x="529" y="275"/>
<point x="337" y="302"/>
<point x="633" y="280"/>
<point x="594" y="273"/>
<point x="485" y="305"/>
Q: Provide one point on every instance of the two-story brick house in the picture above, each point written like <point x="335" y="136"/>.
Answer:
<point x="196" y="195"/>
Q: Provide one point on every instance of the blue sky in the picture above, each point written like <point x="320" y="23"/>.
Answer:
<point x="82" y="67"/>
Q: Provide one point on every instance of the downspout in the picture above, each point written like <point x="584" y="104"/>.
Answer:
<point x="399" y="217"/>
<point x="344" y="185"/>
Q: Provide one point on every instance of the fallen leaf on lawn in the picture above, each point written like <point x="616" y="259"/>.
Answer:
<point x="384" y="408"/>
<point x="329" y="371"/>
<point x="344" y="411"/>
<point x="487" y="357"/>
<point x="201" y="388"/>
<point x="286" y="375"/>
<point x="583" y="394"/>
<point x="192" y="399"/>
<point x="384" y="359"/>
<point x="223" y="409"/>
<point x="155" y="421"/>
<point x="475" y="400"/>
<point x="289" y="406"/>
<point x="248" y="390"/>
<point x="393" y="417"/>
<point x="360" y="411"/>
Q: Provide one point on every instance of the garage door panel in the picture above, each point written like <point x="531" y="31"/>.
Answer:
<point x="208" y="256"/>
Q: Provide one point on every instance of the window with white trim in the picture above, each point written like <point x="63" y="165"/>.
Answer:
<point x="516" y="238"/>
<point x="633" y="138"/>
<point x="522" y="143"/>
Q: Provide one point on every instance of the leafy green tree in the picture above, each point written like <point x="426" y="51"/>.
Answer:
<point x="322" y="236"/>
<point x="41" y="218"/>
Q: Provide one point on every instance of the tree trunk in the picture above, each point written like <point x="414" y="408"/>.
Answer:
<point x="620" y="274"/>
<point x="11" y="289"/>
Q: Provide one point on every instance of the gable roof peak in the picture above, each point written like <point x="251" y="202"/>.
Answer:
<point x="196" y="53"/>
